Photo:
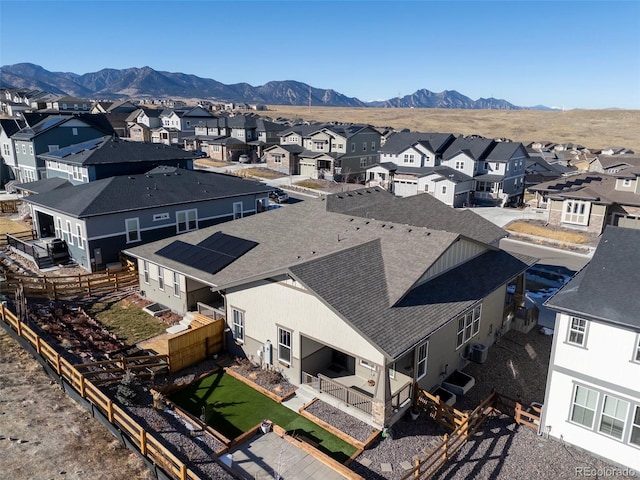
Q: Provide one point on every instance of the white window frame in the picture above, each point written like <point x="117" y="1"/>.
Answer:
<point x="584" y="407"/>
<point x="277" y="157"/>
<point x="237" y="210"/>
<point x="80" y="236"/>
<point x="353" y="147"/>
<point x="408" y="158"/>
<point x="613" y="417"/>
<point x="368" y="365"/>
<point x="392" y="370"/>
<point x="59" y="227"/>
<point x="459" y="164"/>
<point x="577" y="331"/>
<point x="160" y="278"/>
<point x="129" y="231"/>
<point x="422" y="356"/>
<point x="188" y="219"/>
<point x="468" y="326"/>
<point x="634" y="434"/>
<point x="576" y="212"/>
<point x="285" y="343"/>
<point x="318" y="145"/>
<point x="145" y="271"/>
<point x="68" y="233"/>
<point x="5" y="149"/>
<point x="31" y="149"/>
<point x="636" y="350"/>
<point x="626" y="182"/>
<point x="176" y="285"/>
<point x="237" y="325"/>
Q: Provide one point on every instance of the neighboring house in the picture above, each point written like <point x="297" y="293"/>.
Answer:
<point x="141" y="121"/>
<point x="183" y="119"/>
<point x="335" y="152"/>
<point x="224" y="148"/>
<point x="108" y="156"/>
<point x="613" y="163"/>
<point x="283" y="158"/>
<point x="459" y="171"/>
<point x="590" y="201"/>
<point x="66" y="104"/>
<point x="325" y="293"/>
<point x="50" y="134"/>
<point x="123" y="106"/>
<point x="592" y="397"/>
<point x="165" y="135"/>
<point x="99" y="219"/>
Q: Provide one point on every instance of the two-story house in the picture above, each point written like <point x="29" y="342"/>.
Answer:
<point x="363" y="294"/>
<point x="7" y="150"/>
<point x="339" y="152"/>
<point x="109" y="156"/>
<point x="100" y="218"/>
<point x="141" y="121"/>
<point x="458" y="171"/>
<point x="52" y="133"/>
<point x="592" y="397"/>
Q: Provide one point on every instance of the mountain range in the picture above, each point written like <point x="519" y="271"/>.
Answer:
<point x="145" y="82"/>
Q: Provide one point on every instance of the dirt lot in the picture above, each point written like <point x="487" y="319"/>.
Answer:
<point x="46" y="435"/>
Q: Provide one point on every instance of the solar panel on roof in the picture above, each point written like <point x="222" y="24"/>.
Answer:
<point x="211" y="255"/>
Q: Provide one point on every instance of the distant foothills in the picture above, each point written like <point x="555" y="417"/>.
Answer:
<point x="145" y="82"/>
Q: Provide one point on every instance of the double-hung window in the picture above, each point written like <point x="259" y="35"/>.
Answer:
<point x="133" y="230"/>
<point x="79" y="235"/>
<point x="577" y="331"/>
<point x="284" y="345"/>
<point x="422" y="352"/>
<point x="176" y="284"/>
<point x="636" y="351"/>
<point x="583" y="408"/>
<point x="238" y="325"/>
<point x="145" y="271"/>
<point x="186" y="220"/>
<point x="614" y="414"/>
<point x="160" y="278"/>
<point x="634" y="439"/>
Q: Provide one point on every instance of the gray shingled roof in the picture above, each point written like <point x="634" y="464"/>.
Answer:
<point x="503" y="151"/>
<point x="44" y="185"/>
<point x="598" y="187"/>
<point x="607" y="288"/>
<point x="161" y="186"/>
<point x="399" y="141"/>
<point x="419" y="210"/>
<point x="476" y="148"/>
<point x="360" y="268"/>
<point x="109" y="150"/>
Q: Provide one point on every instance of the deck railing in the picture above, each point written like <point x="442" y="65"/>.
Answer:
<point x="401" y="396"/>
<point x="348" y="395"/>
<point x="36" y="252"/>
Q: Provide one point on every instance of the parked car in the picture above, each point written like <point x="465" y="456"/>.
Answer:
<point x="279" y="196"/>
<point x="243" y="158"/>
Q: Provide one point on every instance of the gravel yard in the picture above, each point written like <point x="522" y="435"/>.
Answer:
<point x="344" y="422"/>
<point x="517" y="367"/>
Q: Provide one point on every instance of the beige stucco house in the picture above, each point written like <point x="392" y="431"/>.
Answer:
<point x="359" y="296"/>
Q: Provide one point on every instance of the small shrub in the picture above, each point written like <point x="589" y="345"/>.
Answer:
<point x="128" y="389"/>
<point x="272" y="377"/>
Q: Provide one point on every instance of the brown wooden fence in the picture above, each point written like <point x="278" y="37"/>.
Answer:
<point x="144" y="441"/>
<point x="26" y="236"/>
<point x="9" y="206"/>
<point x="464" y="425"/>
<point x="68" y="287"/>
<point x="203" y="339"/>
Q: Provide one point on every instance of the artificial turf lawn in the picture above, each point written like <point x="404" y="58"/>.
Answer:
<point x="232" y="408"/>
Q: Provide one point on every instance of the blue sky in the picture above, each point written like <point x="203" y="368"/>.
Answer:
<point x="576" y="54"/>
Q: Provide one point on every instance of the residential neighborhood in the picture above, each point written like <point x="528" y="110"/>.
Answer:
<point x="346" y="271"/>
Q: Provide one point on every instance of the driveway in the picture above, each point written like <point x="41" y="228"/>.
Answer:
<point x="503" y="216"/>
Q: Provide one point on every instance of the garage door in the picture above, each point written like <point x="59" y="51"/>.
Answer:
<point x="403" y="188"/>
<point x="308" y="170"/>
<point x="627" y="222"/>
